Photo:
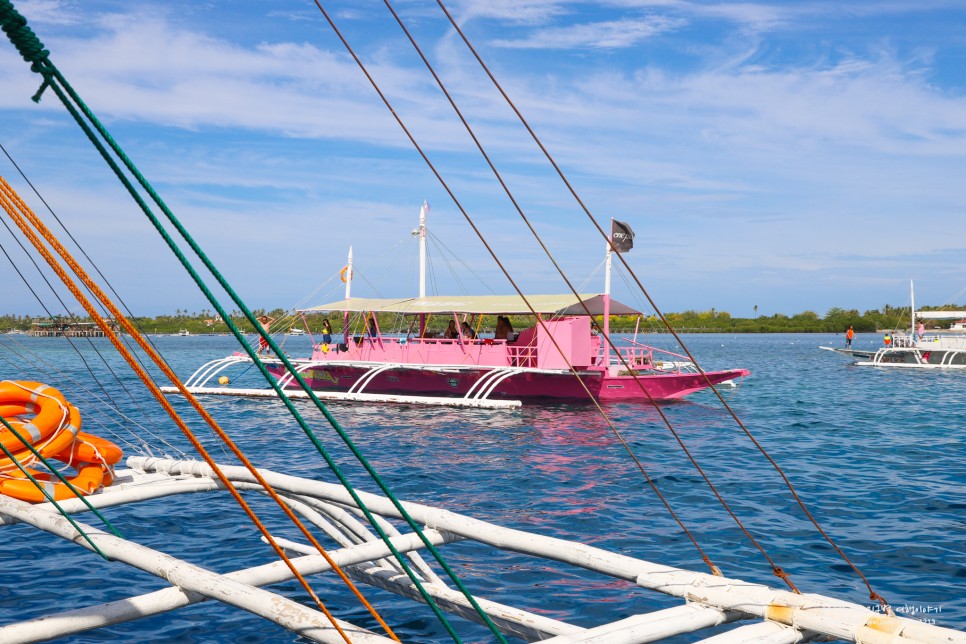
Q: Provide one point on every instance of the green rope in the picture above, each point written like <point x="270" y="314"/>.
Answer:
<point x="255" y="361"/>
<point x="78" y="493"/>
<point x="50" y="73"/>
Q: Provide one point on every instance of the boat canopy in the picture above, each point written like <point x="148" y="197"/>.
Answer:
<point x="567" y="304"/>
<point x="940" y="315"/>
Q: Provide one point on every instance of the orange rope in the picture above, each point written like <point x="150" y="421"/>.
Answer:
<point x="18" y="218"/>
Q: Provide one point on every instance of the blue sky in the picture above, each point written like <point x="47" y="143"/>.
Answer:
<point x="787" y="155"/>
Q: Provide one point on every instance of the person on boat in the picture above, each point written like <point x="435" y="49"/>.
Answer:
<point x="848" y="337"/>
<point x="265" y="322"/>
<point x="467" y="330"/>
<point x="451" y="332"/>
<point x="326" y="331"/>
<point x="888" y="340"/>
<point x="920" y="330"/>
<point x="504" y="330"/>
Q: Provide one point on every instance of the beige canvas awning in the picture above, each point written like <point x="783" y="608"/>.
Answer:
<point x="567" y="304"/>
<point x="940" y="315"/>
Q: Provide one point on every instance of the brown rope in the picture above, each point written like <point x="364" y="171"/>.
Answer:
<point x="872" y="594"/>
<point x="538" y="317"/>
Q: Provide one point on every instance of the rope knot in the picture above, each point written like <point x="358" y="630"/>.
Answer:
<point x="21" y="35"/>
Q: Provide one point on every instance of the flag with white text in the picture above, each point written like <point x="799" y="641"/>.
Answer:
<point x="621" y="236"/>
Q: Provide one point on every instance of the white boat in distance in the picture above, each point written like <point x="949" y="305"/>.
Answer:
<point x="939" y="349"/>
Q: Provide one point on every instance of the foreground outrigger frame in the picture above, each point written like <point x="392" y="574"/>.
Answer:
<point x="777" y="615"/>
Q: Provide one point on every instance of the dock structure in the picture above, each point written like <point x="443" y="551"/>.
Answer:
<point x="57" y="327"/>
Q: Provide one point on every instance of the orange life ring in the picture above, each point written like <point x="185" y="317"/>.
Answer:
<point x="52" y="430"/>
<point x="43" y="417"/>
<point x="90" y="449"/>
<point x="19" y="399"/>
<point x="89" y="478"/>
<point x="345" y="272"/>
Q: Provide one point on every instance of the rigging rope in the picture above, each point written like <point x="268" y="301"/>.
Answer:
<point x="24" y="219"/>
<point x="16" y="28"/>
<point x="777" y="571"/>
<point x="519" y="291"/>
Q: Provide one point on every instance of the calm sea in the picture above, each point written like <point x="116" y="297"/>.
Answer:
<point x="877" y="455"/>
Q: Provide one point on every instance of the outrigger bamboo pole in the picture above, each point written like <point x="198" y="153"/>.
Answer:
<point x="820" y="614"/>
<point x="188" y="577"/>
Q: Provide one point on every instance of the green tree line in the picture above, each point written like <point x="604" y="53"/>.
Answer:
<point x="836" y="320"/>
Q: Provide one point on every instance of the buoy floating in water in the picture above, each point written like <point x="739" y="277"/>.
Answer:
<point x="223" y="380"/>
<point x="42" y="416"/>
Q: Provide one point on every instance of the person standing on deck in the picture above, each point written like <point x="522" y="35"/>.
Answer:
<point x="888" y="340"/>
<point x="848" y="337"/>
<point x="265" y="322"/>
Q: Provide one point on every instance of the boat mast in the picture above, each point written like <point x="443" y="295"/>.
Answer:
<point x="422" y="249"/>
<point x="348" y="295"/>
<point x="348" y="276"/>
<point x="912" y="306"/>
<point x="422" y="263"/>
<point x="607" y="270"/>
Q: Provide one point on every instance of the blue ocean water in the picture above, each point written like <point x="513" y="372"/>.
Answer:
<point x="876" y="454"/>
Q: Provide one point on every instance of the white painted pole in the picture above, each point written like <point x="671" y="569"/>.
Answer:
<point x="912" y="306"/>
<point x="348" y="276"/>
<point x="607" y="271"/>
<point x="348" y="296"/>
<point x="422" y="249"/>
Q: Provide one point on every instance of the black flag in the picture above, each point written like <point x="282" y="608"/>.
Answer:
<point x="621" y="236"/>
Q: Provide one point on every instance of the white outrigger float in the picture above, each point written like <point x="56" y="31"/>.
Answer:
<point x="762" y="613"/>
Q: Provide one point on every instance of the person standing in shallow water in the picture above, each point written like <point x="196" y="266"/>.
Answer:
<point x="848" y="337"/>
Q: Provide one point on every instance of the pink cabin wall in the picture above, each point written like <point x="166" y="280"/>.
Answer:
<point x="573" y="338"/>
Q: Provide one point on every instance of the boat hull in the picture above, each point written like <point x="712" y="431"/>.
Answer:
<point x="460" y="381"/>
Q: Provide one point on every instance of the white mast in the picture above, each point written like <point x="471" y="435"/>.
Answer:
<point x="912" y="305"/>
<point x="347" y="276"/>
<point x="422" y="249"/>
<point x="607" y="270"/>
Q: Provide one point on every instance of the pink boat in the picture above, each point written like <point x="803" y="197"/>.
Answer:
<point x="561" y="356"/>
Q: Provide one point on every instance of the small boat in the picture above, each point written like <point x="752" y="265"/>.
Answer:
<point x="938" y="349"/>
<point x="295" y="331"/>
<point x="562" y="355"/>
<point x="183" y="332"/>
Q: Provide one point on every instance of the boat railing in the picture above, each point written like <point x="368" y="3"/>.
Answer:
<point x="637" y="357"/>
<point x="643" y="356"/>
<point x="522" y="356"/>
<point x="903" y="341"/>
